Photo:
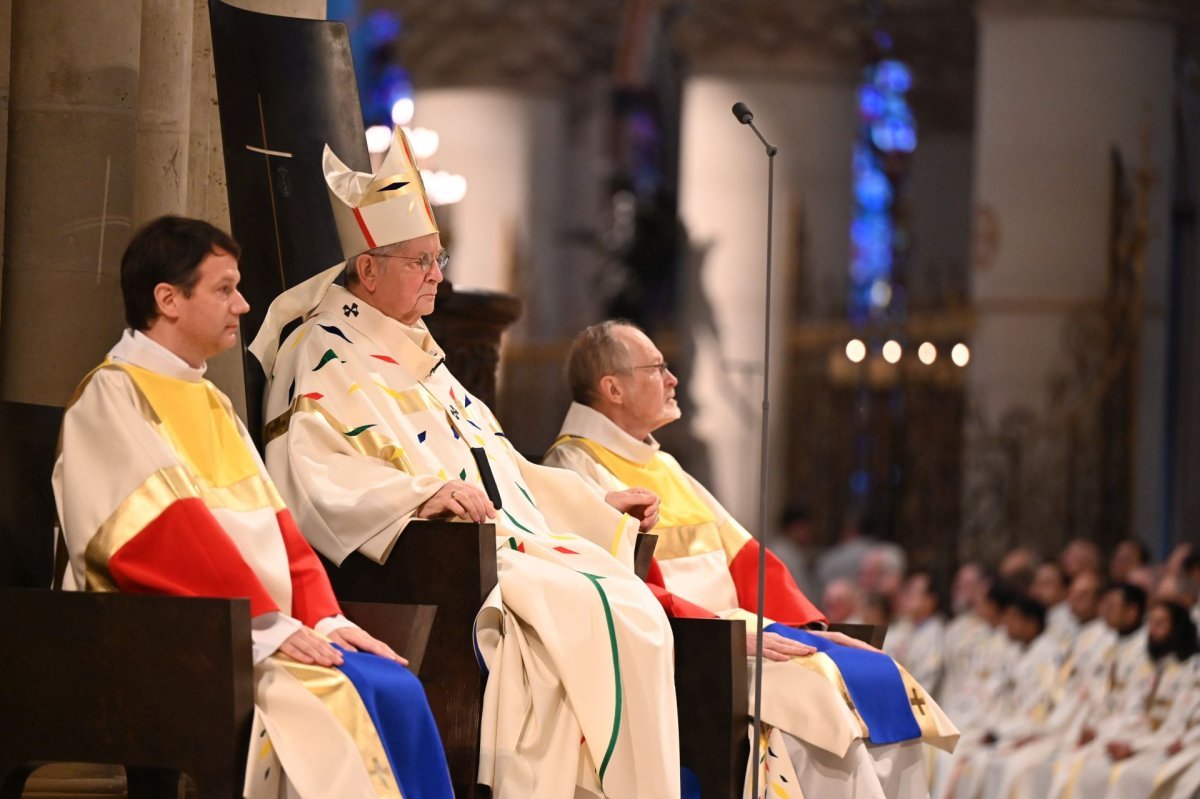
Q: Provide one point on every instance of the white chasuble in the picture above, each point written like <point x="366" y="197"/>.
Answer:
<point x="160" y="491"/>
<point x="805" y="700"/>
<point x="365" y="424"/>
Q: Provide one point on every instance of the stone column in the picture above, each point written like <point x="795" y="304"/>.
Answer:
<point x="69" y="191"/>
<point x="1060" y="85"/>
<point x="164" y="109"/>
<point x="796" y="67"/>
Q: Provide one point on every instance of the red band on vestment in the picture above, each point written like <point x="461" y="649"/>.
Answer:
<point x="785" y="602"/>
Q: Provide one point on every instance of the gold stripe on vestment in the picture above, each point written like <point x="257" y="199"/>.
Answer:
<point x="341" y="699"/>
<point x="157" y="493"/>
<point x="698" y="539"/>
<point x="924" y="717"/>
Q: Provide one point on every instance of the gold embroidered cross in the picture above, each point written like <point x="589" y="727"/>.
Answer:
<point x="917" y="701"/>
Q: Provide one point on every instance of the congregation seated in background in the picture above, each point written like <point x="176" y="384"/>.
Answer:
<point x="1105" y="702"/>
<point x="824" y="743"/>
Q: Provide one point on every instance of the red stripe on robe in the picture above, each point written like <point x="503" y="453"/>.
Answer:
<point x="186" y="552"/>
<point x="312" y="595"/>
<point x="785" y="602"/>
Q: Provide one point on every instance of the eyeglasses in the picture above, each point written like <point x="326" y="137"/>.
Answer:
<point x="425" y="260"/>
<point x="661" y="367"/>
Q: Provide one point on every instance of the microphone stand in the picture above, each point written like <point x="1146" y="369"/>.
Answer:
<point x="743" y="115"/>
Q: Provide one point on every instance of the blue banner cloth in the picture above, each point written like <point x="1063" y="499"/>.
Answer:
<point x="874" y="682"/>
<point x="395" y="700"/>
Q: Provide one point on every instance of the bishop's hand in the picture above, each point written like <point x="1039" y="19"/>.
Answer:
<point x="638" y="503"/>
<point x="457" y="498"/>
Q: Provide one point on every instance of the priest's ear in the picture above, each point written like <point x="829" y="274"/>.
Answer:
<point x="167" y="299"/>
<point x="365" y="272"/>
<point x="610" y="390"/>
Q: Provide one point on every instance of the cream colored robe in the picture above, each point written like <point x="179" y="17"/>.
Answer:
<point x="365" y="424"/>
<point x="141" y="477"/>
<point x="823" y="736"/>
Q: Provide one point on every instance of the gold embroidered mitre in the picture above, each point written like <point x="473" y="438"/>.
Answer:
<point x="376" y="210"/>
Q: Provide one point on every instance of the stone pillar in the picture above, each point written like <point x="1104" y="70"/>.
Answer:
<point x="69" y="191"/>
<point x="502" y="142"/>
<point x="164" y="110"/>
<point x="801" y="89"/>
<point x="1060" y="86"/>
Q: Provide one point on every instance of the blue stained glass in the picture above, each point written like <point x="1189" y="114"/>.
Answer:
<point x="886" y="126"/>
<point x="871" y="104"/>
<point x="382" y="26"/>
<point x="873" y="191"/>
<point x="893" y="76"/>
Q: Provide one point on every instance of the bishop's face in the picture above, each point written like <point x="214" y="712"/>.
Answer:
<point x="206" y="319"/>
<point x="398" y="285"/>
<point x="648" y="385"/>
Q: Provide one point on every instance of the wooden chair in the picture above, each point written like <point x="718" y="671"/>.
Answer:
<point x="160" y="685"/>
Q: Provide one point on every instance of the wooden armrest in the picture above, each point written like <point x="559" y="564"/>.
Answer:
<point x="405" y="628"/>
<point x="872" y="634"/>
<point x="145" y="681"/>
<point x="711" y="674"/>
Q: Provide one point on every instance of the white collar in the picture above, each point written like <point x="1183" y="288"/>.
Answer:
<point x="589" y="423"/>
<point x="138" y="349"/>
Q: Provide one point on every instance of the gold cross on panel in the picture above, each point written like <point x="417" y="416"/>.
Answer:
<point x="917" y="701"/>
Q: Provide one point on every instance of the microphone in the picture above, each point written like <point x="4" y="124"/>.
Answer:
<point x="742" y="114"/>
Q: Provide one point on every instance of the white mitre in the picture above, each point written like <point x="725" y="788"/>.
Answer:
<point x="370" y="211"/>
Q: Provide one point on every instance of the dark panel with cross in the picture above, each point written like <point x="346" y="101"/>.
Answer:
<point x="286" y="88"/>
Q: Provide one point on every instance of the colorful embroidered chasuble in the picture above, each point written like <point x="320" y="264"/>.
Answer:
<point x="706" y="560"/>
<point x="160" y="491"/>
<point x="366" y="423"/>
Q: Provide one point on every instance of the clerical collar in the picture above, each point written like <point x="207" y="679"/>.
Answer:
<point x="589" y="423"/>
<point x="138" y="349"/>
<point x="411" y="346"/>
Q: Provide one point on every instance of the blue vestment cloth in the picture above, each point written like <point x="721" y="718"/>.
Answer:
<point x="395" y="700"/>
<point x="875" y="686"/>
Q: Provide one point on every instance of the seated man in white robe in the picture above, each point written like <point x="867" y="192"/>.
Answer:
<point x="1130" y="746"/>
<point x="1097" y="683"/>
<point x="921" y="647"/>
<point x="1050" y="587"/>
<point x="707" y="564"/>
<point x="160" y="491"/>
<point x="1023" y="696"/>
<point x="369" y="431"/>
<point x="965" y="634"/>
<point x="1021" y="764"/>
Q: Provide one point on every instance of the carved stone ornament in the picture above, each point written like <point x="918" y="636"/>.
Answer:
<point x="752" y="35"/>
<point x="520" y="43"/>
